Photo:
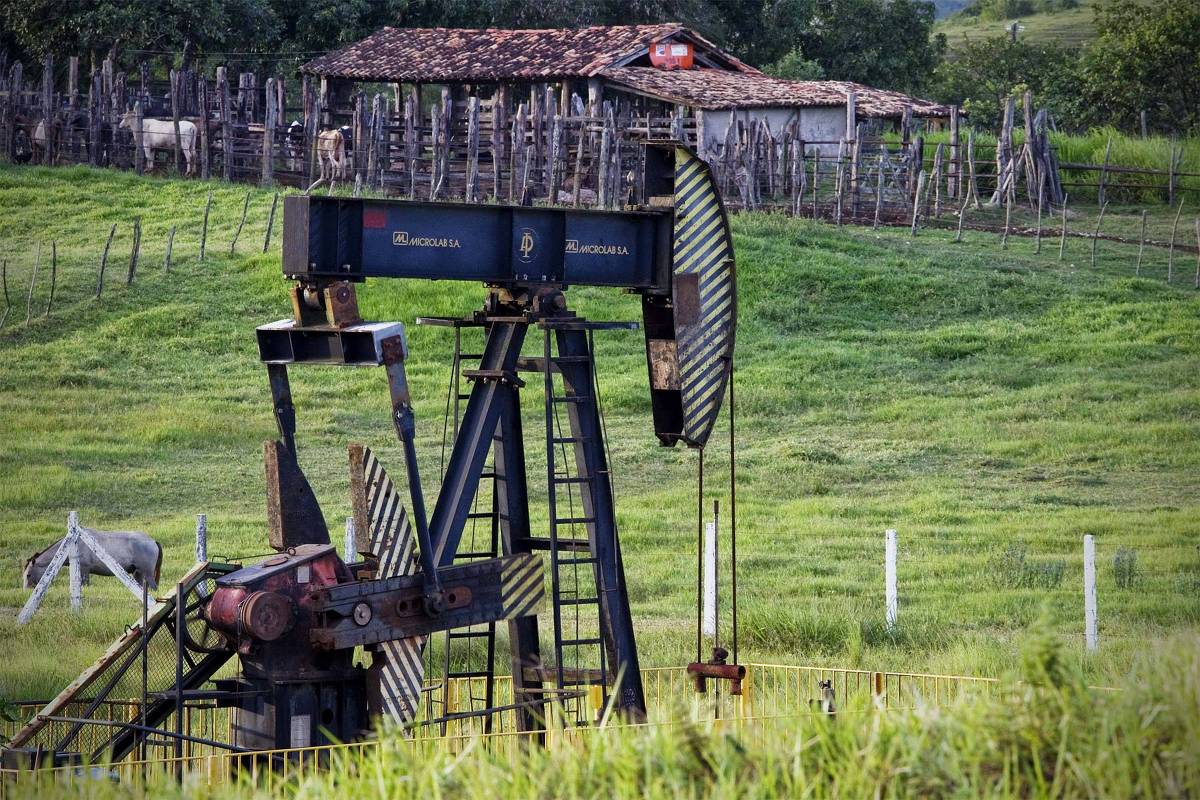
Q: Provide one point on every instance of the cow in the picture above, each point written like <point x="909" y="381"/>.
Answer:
<point x="293" y="146"/>
<point x="159" y="134"/>
<point x="22" y="139"/>
<point x="137" y="552"/>
<point x="334" y="149"/>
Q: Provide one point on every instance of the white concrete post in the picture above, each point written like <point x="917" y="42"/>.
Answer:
<point x="709" y="626"/>
<point x="889" y="577"/>
<point x="1089" y="593"/>
<point x="76" y="572"/>
<point x="201" y="548"/>
<point x="349" y="549"/>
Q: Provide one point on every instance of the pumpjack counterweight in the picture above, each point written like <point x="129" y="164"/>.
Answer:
<point x="294" y="620"/>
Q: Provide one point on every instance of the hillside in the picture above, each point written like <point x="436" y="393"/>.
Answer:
<point x="1065" y="28"/>
<point x="972" y="398"/>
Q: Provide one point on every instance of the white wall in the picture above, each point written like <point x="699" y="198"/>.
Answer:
<point x="824" y="124"/>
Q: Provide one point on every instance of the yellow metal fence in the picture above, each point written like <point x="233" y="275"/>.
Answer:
<point x="769" y="691"/>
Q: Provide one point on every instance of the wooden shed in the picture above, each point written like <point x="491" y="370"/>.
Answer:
<point x="663" y="71"/>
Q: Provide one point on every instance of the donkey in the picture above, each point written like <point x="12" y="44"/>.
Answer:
<point x="138" y="553"/>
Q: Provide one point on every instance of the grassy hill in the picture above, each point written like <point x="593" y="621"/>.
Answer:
<point x="990" y="405"/>
<point x="1066" y="28"/>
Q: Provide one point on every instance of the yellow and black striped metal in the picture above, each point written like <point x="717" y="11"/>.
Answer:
<point x="390" y="540"/>
<point x="522" y="587"/>
<point x="704" y="295"/>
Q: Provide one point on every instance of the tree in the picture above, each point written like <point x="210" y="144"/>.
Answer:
<point x="884" y="43"/>
<point x="984" y="73"/>
<point x="794" y="66"/>
<point x="1145" y="57"/>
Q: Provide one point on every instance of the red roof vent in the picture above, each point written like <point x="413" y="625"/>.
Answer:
<point x="671" y="55"/>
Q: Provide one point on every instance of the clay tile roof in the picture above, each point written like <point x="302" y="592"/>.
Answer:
<point x="435" y="55"/>
<point x="717" y="89"/>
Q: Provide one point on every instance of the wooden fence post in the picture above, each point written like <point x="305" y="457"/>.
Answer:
<point x="410" y="146"/>
<point x="1141" y="245"/>
<point x="170" y="249"/>
<point x="48" y="109"/>
<point x="1062" y="242"/>
<point x="174" y="75"/>
<point x="7" y="302"/>
<point x="853" y="134"/>
<point x="472" y="149"/>
<point x="937" y="182"/>
<point x="135" y="250"/>
<point x="37" y="261"/>
<point x="202" y="103"/>
<point x="359" y="135"/>
<point x="270" y="222"/>
<point x="139" y="153"/>
<point x="499" y="126"/>
<point x="1040" y="200"/>
<point x="1100" y="195"/>
<point x="241" y="223"/>
<point x="53" y="275"/>
<point x="1171" y="248"/>
<point x="1096" y="235"/>
<point x="270" y="121"/>
<point x="916" y="215"/>
<point x="204" y="227"/>
<point x="1198" y="252"/>
<point x="226" y="128"/>
<point x="349" y="548"/>
<point x="954" y="170"/>
<point x="94" y="121"/>
<point x="104" y="260"/>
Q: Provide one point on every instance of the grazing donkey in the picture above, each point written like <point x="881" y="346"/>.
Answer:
<point x="137" y="552"/>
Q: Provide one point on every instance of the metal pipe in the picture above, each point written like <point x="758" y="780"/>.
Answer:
<point x="147" y="729"/>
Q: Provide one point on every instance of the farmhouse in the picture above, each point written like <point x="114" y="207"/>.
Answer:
<point x="642" y="71"/>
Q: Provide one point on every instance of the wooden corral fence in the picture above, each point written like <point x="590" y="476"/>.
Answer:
<point x="521" y="144"/>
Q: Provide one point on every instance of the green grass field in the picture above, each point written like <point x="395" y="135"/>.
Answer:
<point x="1066" y="28"/>
<point x="967" y="396"/>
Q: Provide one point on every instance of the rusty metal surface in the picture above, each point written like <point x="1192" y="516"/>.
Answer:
<point x="664" y="366"/>
<point x="341" y="304"/>
<point x="478" y="592"/>
<point x="293" y="514"/>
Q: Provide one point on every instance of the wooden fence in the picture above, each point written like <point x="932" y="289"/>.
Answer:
<point x="520" y="145"/>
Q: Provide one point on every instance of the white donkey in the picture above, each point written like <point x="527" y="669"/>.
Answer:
<point x="159" y="134"/>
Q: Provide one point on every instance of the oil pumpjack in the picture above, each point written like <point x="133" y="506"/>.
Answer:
<point x="295" y="619"/>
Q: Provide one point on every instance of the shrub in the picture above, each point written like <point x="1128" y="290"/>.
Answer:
<point x="1125" y="568"/>
<point x="1011" y="568"/>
